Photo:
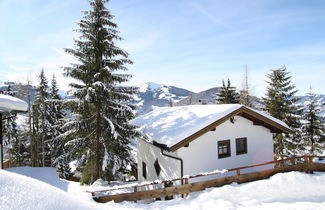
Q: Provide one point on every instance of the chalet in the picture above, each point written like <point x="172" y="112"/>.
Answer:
<point x="188" y="140"/>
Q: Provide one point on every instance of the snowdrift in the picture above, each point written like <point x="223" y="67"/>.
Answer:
<point x="21" y="192"/>
<point x="292" y="190"/>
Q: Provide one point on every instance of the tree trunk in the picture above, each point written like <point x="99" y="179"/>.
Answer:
<point x="98" y="133"/>
<point x="30" y="133"/>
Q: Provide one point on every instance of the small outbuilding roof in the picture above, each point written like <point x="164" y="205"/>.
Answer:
<point x="12" y="104"/>
<point x="177" y="126"/>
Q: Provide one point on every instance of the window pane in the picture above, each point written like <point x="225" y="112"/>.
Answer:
<point x="241" y="146"/>
<point x="223" y="148"/>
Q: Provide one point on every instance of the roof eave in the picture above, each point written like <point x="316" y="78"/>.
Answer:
<point x="12" y="111"/>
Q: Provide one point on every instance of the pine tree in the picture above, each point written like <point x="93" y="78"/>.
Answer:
<point x="99" y="131"/>
<point x="280" y="103"/>
<point x="313" y="125"/>
<point x="41" y="117"/>
<point x="227" y="94"/>
<point x="57" y="148"/>
<point x="19" y="155"/>
<point x="62" y="167"/>
<point x="11" y="139"/>
<point x="56" y="113"/>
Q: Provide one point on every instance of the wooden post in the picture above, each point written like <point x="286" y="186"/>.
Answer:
<point x="135" y="190"/>
<point x="238" y="172"/>
<point x="186" y="182"/>
<point x="310" y="161"/>
<point x="306" y="161"/>
<point x="293" y="161"/>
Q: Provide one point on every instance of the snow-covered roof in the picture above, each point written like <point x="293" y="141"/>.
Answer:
<point x="170" y="125"/>
<point x="10" y="104"/>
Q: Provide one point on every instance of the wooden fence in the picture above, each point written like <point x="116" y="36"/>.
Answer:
<point x="301" y="163"/>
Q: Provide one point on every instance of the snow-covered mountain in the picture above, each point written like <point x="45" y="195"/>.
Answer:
<point x="204" y="97"/>
<point x="153" y="94"/>
<point x="150" y="95"/>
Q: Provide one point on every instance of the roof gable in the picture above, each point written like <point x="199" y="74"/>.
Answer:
<point x="177" y="126"/>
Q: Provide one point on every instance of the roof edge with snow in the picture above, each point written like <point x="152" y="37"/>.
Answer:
<point x="9" y="104"/>
<point x="257" y="117"/>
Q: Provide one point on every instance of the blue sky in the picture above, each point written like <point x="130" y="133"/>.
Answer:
<point x="192" y="44"/>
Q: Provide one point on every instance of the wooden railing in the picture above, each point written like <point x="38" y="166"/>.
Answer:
<point x="299" y="163"/>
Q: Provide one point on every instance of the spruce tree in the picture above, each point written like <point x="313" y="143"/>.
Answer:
<point x="313" y="125"/>
<point x="227" y="94"/>
<point x="41" y="117"/>
<point x="56" y="113"/>
<point x="98" y="131"/>
<point x="279" y="102"/>
<point x="19" y="155"/>
<point x="59" y="158"/>
<point x="11" y="139"/>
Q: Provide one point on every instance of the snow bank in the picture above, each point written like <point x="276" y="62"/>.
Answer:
<point x="44" y="174"/>
<point x="292" y="190"/>
<point x="9" y="103"/>
<point x="21" y="192"/>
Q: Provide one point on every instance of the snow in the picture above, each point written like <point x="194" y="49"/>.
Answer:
<point x="149" y="86"/>
<point x="22" y="192"/>
<point x="170" y="125"/>
<point x="270" y="117"/>
<point x="43" y="190"/>
<point x="9" y="103"/>
<point x="292" y="190"/>
<point x="21" y="120"/>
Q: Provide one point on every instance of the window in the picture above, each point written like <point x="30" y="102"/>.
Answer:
<point x="224" y="149"/>
<point x="144" y="170"/>
<point x="157" y="167"/>
<point x="241" y="146"/>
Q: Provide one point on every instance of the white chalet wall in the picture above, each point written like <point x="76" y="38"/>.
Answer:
<point x="170" y="168"/>
<point x="202" y="153"/>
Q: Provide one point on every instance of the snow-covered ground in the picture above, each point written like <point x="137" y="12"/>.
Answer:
<point x="39" y="188"/>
